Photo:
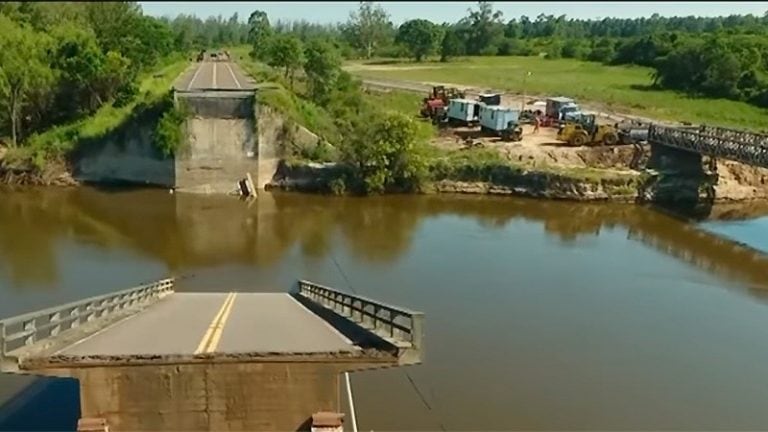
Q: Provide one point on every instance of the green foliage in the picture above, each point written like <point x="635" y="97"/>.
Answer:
<point x="301" y="112"/>
<point x="321" y="152"/>
<point x="485" y="165"/>
<point x="169" y="131"/>
<point x="368" y="28"/>
<point x="259" y="33"/>
<point x="484" y="30"/>
<point x="65" y="138"/>
<point x="24" y="70"/>
<point x="285" y="52"/>
<point x="420" y="36"/>
<point x="385" y="153"/>
<point x="322" y="68"/>
<point x="63" y="62"/>
<point x="450" y="46"/>
<point x="87" y="76"/>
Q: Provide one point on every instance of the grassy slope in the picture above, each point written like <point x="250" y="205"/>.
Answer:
<point x="618" y="87"/>
<point x="273" y="92"/>
<point x="61" y="139"/>
<point x="469" y="165"/>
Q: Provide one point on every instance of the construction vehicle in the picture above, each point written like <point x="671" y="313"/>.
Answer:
<point x="584" y="130"/>
<point x="558" y="109"/>
<point x="434" y="105"/>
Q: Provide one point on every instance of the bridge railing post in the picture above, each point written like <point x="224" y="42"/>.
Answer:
<point x="417" y="330"/>
<point x="28" y="329"/>
<point x="385" y="320"/>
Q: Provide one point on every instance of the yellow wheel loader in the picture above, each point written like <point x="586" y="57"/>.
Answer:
<point x="584" y="130"/>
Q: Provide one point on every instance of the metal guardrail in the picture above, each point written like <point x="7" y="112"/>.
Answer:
<point x="740" y="146"/>
<point x="390" y="322"/>
<point x="27" y="329"/>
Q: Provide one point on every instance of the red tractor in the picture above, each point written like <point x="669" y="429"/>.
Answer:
<point x="434" y="106"/>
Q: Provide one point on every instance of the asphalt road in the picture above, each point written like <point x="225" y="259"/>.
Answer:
<point x="194" y="323"/>
<point x="218" y="75"/>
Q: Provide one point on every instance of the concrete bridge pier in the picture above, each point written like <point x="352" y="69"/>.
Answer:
<point x="211" y="396"/>
<point x="678" y="177"/>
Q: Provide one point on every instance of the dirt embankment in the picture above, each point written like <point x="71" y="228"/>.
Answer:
<point x="740" y="182"/>
<point x="504" y="180"/>
<point x="542" y="150"/>
<point x="24" y="173"/>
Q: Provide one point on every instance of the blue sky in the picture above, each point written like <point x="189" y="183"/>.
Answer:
<point x="329" y="12"/>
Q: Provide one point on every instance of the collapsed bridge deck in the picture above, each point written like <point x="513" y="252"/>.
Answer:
<point x="152" y="324"/>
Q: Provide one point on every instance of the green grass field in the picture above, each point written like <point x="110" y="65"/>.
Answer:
<point x="623" y="89"/>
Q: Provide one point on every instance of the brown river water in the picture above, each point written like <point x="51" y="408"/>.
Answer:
<point x="540" y="315"/>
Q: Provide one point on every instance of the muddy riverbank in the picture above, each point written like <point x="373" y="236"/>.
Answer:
<point x="53" y="173"/>
<point x="576" y="174"/>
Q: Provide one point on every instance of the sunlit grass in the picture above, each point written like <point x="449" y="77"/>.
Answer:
<point x="621" y="88"/>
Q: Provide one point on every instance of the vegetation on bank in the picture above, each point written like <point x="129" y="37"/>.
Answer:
<point x="154" y="96"/>
<point x="379" y="144"/>
<point x="72" y="72"/>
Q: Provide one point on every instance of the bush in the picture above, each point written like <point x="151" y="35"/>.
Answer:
<point x="125" y="94"/>
<point x="169" y="131"/>
<point x="385" y="153"/>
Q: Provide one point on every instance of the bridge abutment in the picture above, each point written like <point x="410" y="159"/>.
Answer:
<point x="220" y="141"/>
<point x="209" y="396"/>
<point x="678" y="177"/>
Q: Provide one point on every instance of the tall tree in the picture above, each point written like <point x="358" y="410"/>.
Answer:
<point x="24" y="69"/>
<point x="80" y="61"/>
<point x="322" y="67"/>
<point x="369" y="26"/>
<point x="420" y="36"/>
<point x="485" y="29"/>
<point x="450" y="46"/>
<point x="285" y="52"/>
<point x="259" y="32"/>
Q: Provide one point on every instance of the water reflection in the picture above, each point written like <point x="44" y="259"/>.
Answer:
<point x="187" y="231"/>
<point x="595" y="312"/>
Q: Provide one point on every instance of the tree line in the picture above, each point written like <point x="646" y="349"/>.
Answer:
<point x="723" y="57"/>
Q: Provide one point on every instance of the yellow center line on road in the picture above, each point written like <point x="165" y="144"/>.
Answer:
<point x="216" y="337"/>
<point x="206" y="338"/>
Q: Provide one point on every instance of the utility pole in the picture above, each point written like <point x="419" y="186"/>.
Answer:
<point x="525" y="77"/>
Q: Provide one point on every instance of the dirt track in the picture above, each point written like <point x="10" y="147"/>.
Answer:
<point x="511" y="99"/>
